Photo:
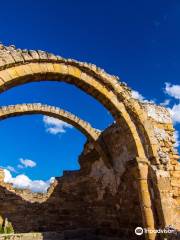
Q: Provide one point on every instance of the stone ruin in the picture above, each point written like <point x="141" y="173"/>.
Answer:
<point x="129" y="175"/>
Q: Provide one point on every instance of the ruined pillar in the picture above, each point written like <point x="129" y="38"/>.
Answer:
<point x="145" y="197"/>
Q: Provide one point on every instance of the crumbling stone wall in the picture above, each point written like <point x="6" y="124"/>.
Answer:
<point x="165" y="175"/>
<point x="96" y="197"/>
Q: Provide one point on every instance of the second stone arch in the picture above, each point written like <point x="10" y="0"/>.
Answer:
<point x="84" y="127"/>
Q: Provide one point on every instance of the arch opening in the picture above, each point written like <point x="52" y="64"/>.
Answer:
<point x="38" y="190"/>
<point x="91" y="133"/>
<point x="93" y="187"/>
<point x="42" y="71"/>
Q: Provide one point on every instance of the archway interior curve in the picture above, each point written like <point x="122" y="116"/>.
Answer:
<point x="18" y="64"/>
<point x="63" y="95"/>
<point x="56" y="72"/>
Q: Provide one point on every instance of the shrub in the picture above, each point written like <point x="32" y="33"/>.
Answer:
<point x="6" y="227"/>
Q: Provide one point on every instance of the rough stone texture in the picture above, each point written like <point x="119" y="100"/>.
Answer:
<point x="166" y="175"/>
<point x="105" y="200"/>
<point x="141" y="173"/>
<point x="95" y="197"/>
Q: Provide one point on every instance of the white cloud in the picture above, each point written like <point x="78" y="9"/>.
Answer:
<point x="172" y="90"/>
<point x="165" y="103"/>
<point x="7" y="175"/>
<point x="137" y="95"/>
<point x="176" y="136"/>
<point x="20" y="166"/>
<point x="11" y="169"/>
<point x="55" y="126"/>
<point x="26" y="163"/>
<point x="24" y="182"/>
<point x="175" y="113"/>
<point x="140" y="97"/>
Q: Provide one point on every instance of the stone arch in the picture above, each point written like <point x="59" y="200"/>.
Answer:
<point x="37" y="108"/>
<point x="22" y="66"/>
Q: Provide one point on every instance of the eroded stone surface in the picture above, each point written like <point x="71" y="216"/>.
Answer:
<point x="95" y="197"/>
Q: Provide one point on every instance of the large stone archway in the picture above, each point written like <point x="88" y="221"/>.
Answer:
<point x="139" y="121"/>
<point x="22" y="66"/>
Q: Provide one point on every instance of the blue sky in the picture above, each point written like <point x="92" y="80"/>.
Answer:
<point x="136" y="40"/>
